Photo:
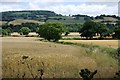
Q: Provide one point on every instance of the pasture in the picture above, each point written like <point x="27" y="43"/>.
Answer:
<point x="56" y="60"/>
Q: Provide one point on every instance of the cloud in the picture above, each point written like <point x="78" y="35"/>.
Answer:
<point x="89" y="9"/>
<point x="59" y="1"/>
<point x="12" y="6"/>
<point x="65" y="8"/>
<point x="103" y="0"/>
<point x="10" y="0"/>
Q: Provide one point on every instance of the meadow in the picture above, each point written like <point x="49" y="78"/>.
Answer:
<point x="27" y="57"/>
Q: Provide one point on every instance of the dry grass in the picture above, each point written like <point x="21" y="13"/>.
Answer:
<point x="110" y="19"/>
<point x="102" y="43"/>
<point x="2" y="23"/>
<point x="59" y="60"/>
<point x="20" y="21"/>
<point x="18" y="35"/>
<point x="72" y="35"/>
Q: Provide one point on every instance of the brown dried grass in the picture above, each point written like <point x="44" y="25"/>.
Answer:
<point x="63" y="61"/>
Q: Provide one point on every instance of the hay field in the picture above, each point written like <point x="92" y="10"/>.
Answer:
<point x="20" y="21"/>
<point x="57" y="60"/>
<point x="102" y="43"/>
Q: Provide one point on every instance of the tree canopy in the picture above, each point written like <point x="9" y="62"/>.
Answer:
<point x="88" y="30"/>
<point x="51" y="31"/>
<point x="24" y="31"/>
<point x="116" y="32"/>
<point x="102" y="29"/>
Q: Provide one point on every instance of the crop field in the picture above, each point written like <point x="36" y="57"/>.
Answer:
<point x="102" y="43"/>
<point x="20" y="21"/>
<point x="25" y="57"/>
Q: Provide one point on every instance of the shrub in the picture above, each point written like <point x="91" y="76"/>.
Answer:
<point x="9" y="31"/>
<point x="117" y="75"/>
<point x="86" y="74"/>
<point x="4" y="32"/>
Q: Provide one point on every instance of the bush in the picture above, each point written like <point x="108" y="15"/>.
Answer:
<point x="118" y="52"/>
<point x="87" y="74"/>
<point x="4" y="32"/>
<point x="9" y="31"/>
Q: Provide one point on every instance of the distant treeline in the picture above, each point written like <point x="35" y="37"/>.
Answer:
<point x="102" y="16"/>
<point x="72" y="22"/>
<point x="35" y="14"/>
<point x="43" y="15"/>
<point x="16" y="28"/>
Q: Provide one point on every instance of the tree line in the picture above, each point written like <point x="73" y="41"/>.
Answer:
<point x="53" y="31"/>
<point x="30" y="14"/>
<point x="91" y="29"/>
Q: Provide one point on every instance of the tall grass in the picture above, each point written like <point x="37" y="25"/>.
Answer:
<point x="51" y="60"/>
<point x="91" y="48"/>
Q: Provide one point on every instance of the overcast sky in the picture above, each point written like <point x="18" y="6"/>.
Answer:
<point x="64" y="7"/>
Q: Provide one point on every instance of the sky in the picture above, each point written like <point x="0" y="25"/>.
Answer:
<point x="64" y="7"/>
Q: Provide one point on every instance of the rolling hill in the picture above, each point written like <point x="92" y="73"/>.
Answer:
<point x="20" y="21"/>
<point x="51" y="16"/>
<point x="72" y="22"/>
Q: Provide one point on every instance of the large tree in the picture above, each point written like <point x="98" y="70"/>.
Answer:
<point x="88" y="30"/>
<point x="51" y="31"/>
<point x="24" y="31"/>
<point x="117" y="32"/>
<point x="102" y="29"/>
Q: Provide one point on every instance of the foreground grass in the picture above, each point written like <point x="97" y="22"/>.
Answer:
<point x="57" y="60"/>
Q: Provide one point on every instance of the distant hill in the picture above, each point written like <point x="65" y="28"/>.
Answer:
<point x="31" y="14"/>
<point x="51" y="16"/>
<point x="73" y="22"/>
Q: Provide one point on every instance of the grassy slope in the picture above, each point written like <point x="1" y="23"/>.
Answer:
<point x="110" y="19"/>
<point x="68" y="20"/>
<point x="19" y="21"/>
<point x="106" y="19"/>
<point x="59" y="60"/>
<point x="2" y="22"/>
